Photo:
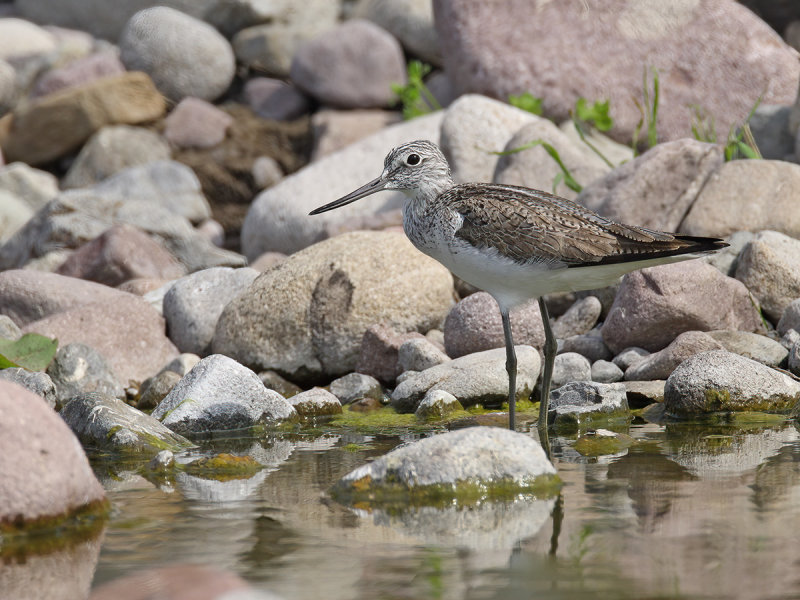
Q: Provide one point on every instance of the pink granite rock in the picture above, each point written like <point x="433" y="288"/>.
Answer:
<point x="195" y="123"/>
<point x="661" y="364"/>
<point x="78" y="72"/>
<point x="380" y="349"/>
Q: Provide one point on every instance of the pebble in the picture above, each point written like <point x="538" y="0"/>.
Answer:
<point x="156" y="388"/>
<point x="418" y="354"/>
<point x="34" y="381"/>
<point x="570" y="366"/>
<point x="20" y="38"/>
<point x="195" y="123"/>
<point x="266" y="172"/>
<point x="629" y="357"/>
<point x="590" y="345"/>
<point x="316" y="402"/>
<point x="355" y="386"/>
<point x="9" y="329"/>
<point x="751" y="345"/>
<point x="604" y="371"/>
<point x="661" y="364"/>
<point x="79" y="369"/>
<point x="410" y="21"/>
<point x="643" y="393"/>
<point x="794" y="359"/>
<point x="33" y="186"/>
<point x="379" y="354"/>
<point x="275" y="99"/>
<point x="581" y="403"/>
<point x="579" y="319"/>
<point x="336" y="129"/>
<point x="270" y="48"/>
<point x="78" y="72"/>
<point x="437" y="404"/>
<point x="790" y="319"/>
<point x="273" y="381"/>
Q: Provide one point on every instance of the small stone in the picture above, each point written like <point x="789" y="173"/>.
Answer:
<point x="581" y="403"/>
<point x="356" y="386"/>
<point x="270" y="48"/>
<point x="629" y="357"/>
<point x="661" y="364"/>
<point x="366" y="405"/>
<point x="213" y="231"/>
<point x="155" y="389"/>
<point x="794" y="359"/>
<point x="790" y="319"/>
<point x="20" y="38"/>
<point x="579" y="319"/>
<point x="418" y="354"/>
<point x="79" y="369"/>
<point x="34" y="186"/>
<point x="769" y="125"/>
<point x="604" y="371"/>
<point x="570" y="366"/>
<point x="273" y="381"/>
<point x="437" y="404"/>
<point x="275" y="99"/>
<point x="266" y="172"/>
<point x="35" y="381"/>
<point x="9" y="329"/>
<point x="316" y="402"/>
<point x="790" y="338"/>
<point x="195" y="123"/>
<point x="643" y="393"/>
<point x="163" y="461"/>
<point x="590" y="345"/>
<point x="379" y="355"/>
<point x="78" y="72"/>
<point x="335" y="129"/>
<point x="599" y="442"/>
<point x="751" y="345"/>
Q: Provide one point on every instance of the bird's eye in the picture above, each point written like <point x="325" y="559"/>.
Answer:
<point x="413" y="159"/>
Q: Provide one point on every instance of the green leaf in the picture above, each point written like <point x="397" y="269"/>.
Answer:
<point x="528" y="102"/>
<point x="32" y="351"/>
<point x="414" y="96"/>
<point x="596" y="114"/>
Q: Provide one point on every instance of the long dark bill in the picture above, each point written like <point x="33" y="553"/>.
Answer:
<point x="376" y="185"/>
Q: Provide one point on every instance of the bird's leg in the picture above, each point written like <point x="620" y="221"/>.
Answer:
<point x="550" y="347"/>
<point x="511" y="367"/>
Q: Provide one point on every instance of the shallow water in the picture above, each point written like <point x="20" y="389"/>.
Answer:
<point x="689" y="511"/>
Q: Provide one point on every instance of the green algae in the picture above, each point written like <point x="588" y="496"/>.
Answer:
<point x="223" y="467"/>
<point x="720" y="400"/>
<point x="599" y="445"/>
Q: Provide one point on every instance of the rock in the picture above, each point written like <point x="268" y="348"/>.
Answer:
<point x="656" y="304"/>
<point x="19" y="39"/>
<point x="162" y="462"/>
<point x="155" y="389"/>
<point x="789" y="339"/>
<point x="751" y="345"/>
<point x="629" y="357"/>
<point x="599" y="442"/>
<point x="366" y="405"/>
<point x="410" y="21"/>
<point x="718" y="380"/>
<point x="79" y="369"/>
<point x="316" y="402"/>
<point x="794" y="359"/>
<point x="273" y="381"/>
<point x="488" y="48"/>
<point x="379" y="354"/>
<point x="489" y="456"/>
<point x="727" y="259"/>
<point x="270" y="48"/>
<point x="474" y="126"/>
<point x="50" y="127"/>
<point x="746" y="195"/>
<point x="604" y="371"/>
<point x="107" y="422"/>
<point x="437" y="404"/>
<point x="34" y="381"/>
<point x="790" y="319"/>
<point x="275" y="99"/>
<point x="9" y="90"/>
<point x="661" y="364"/>
<point x="34" y="440"/>
<point x="182" y="364"/>
<point x="194" y="303"/>
<point x="336" y="129"/>
<point x="656" y="189"/>
<point x="120" y="254"/>
<point x="278" y="218"/>
<point x="126" y="331"/>
<point x="590" y="345"/>
<point x="355" y="386"/>
<point x="582" y="403"/>
<point x="78" y="72"/>
<point x="644" y="393"/>
<point x="36" y="188"/>
<point x="195" y="123"/>
<point x="769" y="266"/>
<point x="770" y="127"/>
<point x="9" y="329"/>
<point x="14" y="213"/>
<point x="266" y="172"/>
<point x="617" y="154"/>
<point x="306" y="317"/>
<point x="112" y="149"/>
<point x="579" y="319"/>
<point x="224" y="396"/>
<point x="183" y="55"/>
<point x="333" y="69"/>
<point x="570" y="366"/>
<point x="474" y="324"/>
<point x="475" y="378"/>
<point x="534" y="168"/>
<point x="418" y="354"/>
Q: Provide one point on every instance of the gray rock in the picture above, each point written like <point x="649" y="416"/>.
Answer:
<point x="35" y="381"/>
<point x="270" y="48"/>
<point x="333" y="69"/>
<point x="163" y="461"/>
<point x="35" y="187"/>
<point x="794" y="359"/>
<point x="278" y="218"/>
<point x="273" y="381"/>
<point x="220" y="394"/>
<point x="770" y="127"/>
<point x="316" y="402"/>
<point x="9" y="329"/>
<point x="790" y="338"/>
<point x="194" y="303"/>
<point x="579" y="319"/>
<point x="616" y="153"/>
<point x="307" y="316"/>
<point x="790" y="319"/>
<point x="195" y="123"/>
<point x="590" y="345"/>
<point x="644" y="393"/>
<point x="582" y="403"/>
<point x="14" y="213"/>
<point x="79" y="71"/>
<point x="182" y="364"/>
<point x="183" y="56"/>
<point x="112" y="149"/>
<point x="410" y="21"/>
<point x="155" y="389"/>
<point x="355" y="386"/>
<point x="751" y="345"/>
<point x="475" y="378"/>
<point x="661" y="364"/>
<point x="722" y="381"/>
<point x="570" y="366"/>
<point x="769" y="266"/>
<point x="275" y="99"/>
<point x="604" y="371"/>
<point x="727" y="259"/>
<point x="230" y="16"/>
<point x="336" y="129"/>
<point x="629" y="357"/>
<point x="437" y="404"/>
<point x="79" y="369"/>
<point x="106" y="422"/>
<point x="418" y="354"/>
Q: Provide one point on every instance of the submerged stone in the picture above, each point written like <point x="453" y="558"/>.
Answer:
<point x="599" y="442"/>
<point x="582" y="403"/>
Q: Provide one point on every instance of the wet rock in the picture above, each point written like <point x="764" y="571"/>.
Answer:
<point x="475" y="324"/>
<point x="112" y="149"/>
<point x="52" y="126"/>
<point x="275" y="99"/>
<point x="194" y="303"/>
<point x="19" y="38"/>
<point x="106" y="422"/>
<point x="629" y="357"/>
<point x="770" y="127"/>
<point x="306" y="317"/>
<point x="478" y="378"/>
<point x="790" y="319"/>
<point x="418" y="354"/>
<point x="366" y="405"/>
<point x="656" y="189"/>
<point x="355" y="386"/>
<point x="162" y="462"/>
<point x="156" y="388"/>
<point x="751" y="345"/>
<point x="336" y="129"/>
<point x="747" y="195"/>
<point x="604" y="371"/>
<point x="195" y="123"/>
<point x="654" y="305"/>
<point x="34" y="440"/>
<point x="120" y="254"/>
<point x="220" y="394"/>
<point x="79" y="369"/>
<point x="599" y="442"/>
<point x="273" y="381"/>
<point x="570" y="366"/>
<point x="490" y="456"/>
<point x="34" y="381"/>
<point x="379" y="355"/>
<point x="278" y="218"/>
<point x="316" y="402"/>
<point x="590" y="345"/>
<point x="332" y="68"/>
<point x="661" y="364"/>
<point x="722" y="381"/>
<point x="78" y="72"/>
<point x="437" y="404"/>
<point x="579" y="319"/>
<point x="581" y="403"/>
<point x="34" y="186"/>
<point x="9" y="329"/>
<point x="487" y="49"/>
<point x="643" y="393"/>
<point x="769" y="266"/>
<point x="183" y="55"/>
<point x="410" y="21"/>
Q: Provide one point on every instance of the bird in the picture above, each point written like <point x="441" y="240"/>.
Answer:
<point x="517" y="243"/>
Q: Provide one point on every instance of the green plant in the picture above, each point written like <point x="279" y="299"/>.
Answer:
<point x="595" y="114"/>
<point x="528" y="102"/>
<point x="740" y="142"/>
<point x="648" y="109"/>
<point x="32" y="351"/>
<point x="414" y="96"/>
<point x="565" y="175"/>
